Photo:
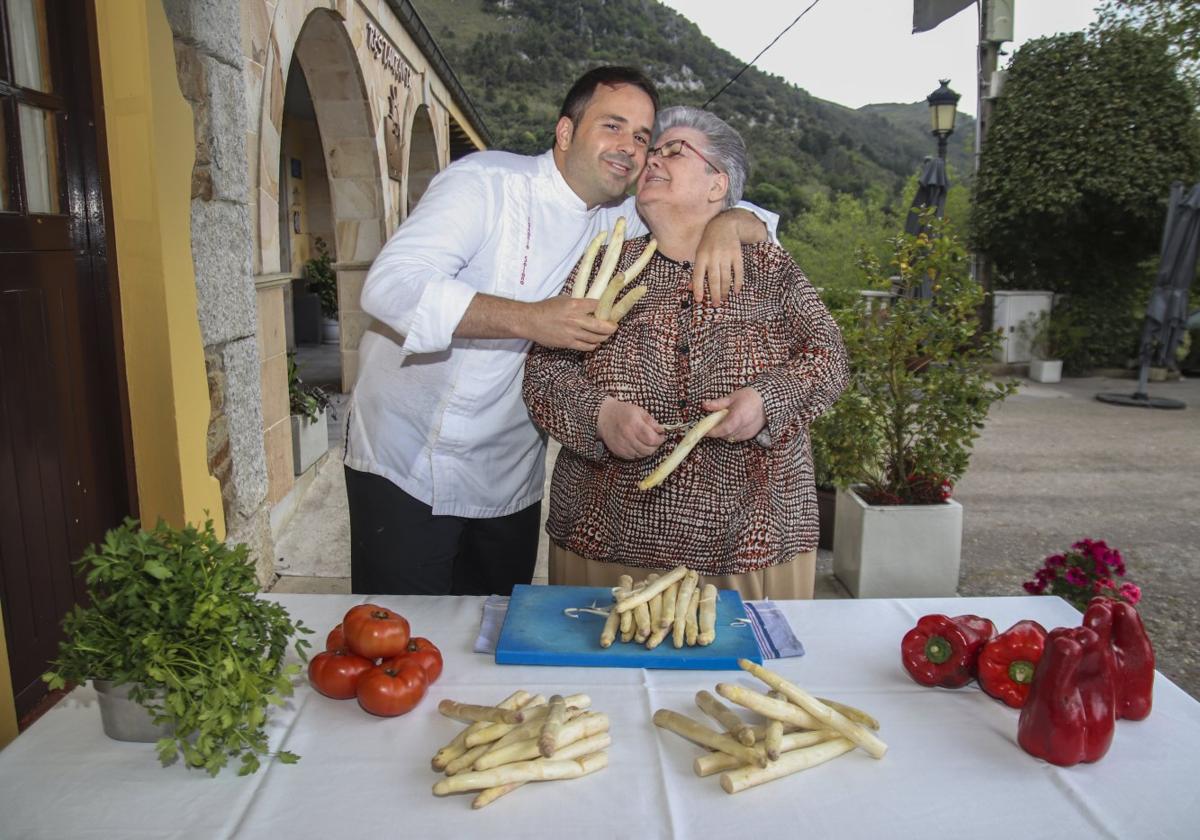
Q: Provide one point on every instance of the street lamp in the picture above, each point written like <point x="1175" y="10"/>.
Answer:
<point x="943" y="107"/>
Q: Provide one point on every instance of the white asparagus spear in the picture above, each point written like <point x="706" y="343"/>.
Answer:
<point x="552" y="726"/>
<point x="527" y="749"/>
<point x="767" y="707"/>
<point x="735" y="781"/>
<point x="641" y="618"/>
<point x="698" y="733"/>
<point x="459" y="745"/>
<point x="828" y="718"/>
<point x="609" y="634"/>
<point x="718" y="762"/>
<point x="470" y="712"/>
<point x="657" y="636"/>
<point x="624" y="584"/>
<point x="691" y="627"/>
<point x="856" y="715"/>
<point x="685" y="597"/>
<point x="538" y="770"/>
<point x="655" y="604"/>
<point x="708" y="616"/>
<point x="612" y="253"/>
<point x="579" y="749"/>
<point x="585" y="265"/>
<point x="693" y="437"/>
<point x="621" y="308"/>
<point x="670" y="594"/>
<point x="465" y="761"/>
<point x="650" y="590"/>
<point x="605" y="304"/>
<point x="725" y="716"/>
<point x="773" y="737"/>
<point x="641" y="262"/>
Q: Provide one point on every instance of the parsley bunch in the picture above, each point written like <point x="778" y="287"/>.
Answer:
<point x="173" y="612"/>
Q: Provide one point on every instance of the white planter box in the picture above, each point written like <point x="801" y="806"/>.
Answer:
<point x="1045" y="370"/>
<point x="897" y="551"/>
<point x="310" y="440"/>
<point x="331" y="332"/>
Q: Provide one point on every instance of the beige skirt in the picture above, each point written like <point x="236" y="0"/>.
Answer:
<point x="787" y="581"/>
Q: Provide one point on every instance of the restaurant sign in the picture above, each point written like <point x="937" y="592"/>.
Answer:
<point x="387" y="55"/>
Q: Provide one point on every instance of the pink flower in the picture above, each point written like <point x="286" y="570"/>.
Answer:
<point x="1131" y="592"/>
<point x="1076" y="576"/>
<point x="1038" y="587"/>
<point x="1055" y="560"/>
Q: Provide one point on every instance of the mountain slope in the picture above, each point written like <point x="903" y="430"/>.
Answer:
<point x="516" y="59"/>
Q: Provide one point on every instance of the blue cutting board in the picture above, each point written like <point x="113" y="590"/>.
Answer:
<point x="537" y="632"/>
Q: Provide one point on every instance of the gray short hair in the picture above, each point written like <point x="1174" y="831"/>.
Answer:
<point x="724" y="146"/>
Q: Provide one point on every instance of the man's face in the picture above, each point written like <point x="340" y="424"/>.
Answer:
<point x="601" y="156"/>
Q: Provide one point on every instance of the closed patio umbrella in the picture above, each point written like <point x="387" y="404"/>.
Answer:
<point x="1166" y="313"/>
<point x="932" y="186"/>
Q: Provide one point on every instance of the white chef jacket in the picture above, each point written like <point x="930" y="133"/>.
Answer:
<point x="442" y="417"/>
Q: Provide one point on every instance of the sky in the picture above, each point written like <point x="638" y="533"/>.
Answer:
<point x="855" y="52"/>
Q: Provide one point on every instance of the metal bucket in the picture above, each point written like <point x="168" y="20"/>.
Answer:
<point x="123" y="719"/>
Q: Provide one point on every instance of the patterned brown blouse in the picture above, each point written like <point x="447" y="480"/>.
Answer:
<point x="728" y="508"/>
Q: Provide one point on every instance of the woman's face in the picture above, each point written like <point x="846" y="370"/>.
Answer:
<point x="683" y="182"/>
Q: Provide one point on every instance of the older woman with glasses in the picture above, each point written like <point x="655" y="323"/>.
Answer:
<point x="741" y="508"/>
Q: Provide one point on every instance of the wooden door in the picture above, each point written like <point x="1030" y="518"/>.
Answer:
<point x="63" y="465"/>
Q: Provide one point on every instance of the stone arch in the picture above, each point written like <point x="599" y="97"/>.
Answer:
<point x="318" y="38"/>
<point x="423" y="158"/>
<point x="316" y="35"/>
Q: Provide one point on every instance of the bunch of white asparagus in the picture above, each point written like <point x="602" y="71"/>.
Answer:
<point x="605" y="287"/>
<point x="673" y="603"/>
<point x="801" y="731"/>
<point x="523" y="738"/>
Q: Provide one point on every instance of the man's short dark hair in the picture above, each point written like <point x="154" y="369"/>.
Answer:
<point x="582" y="91"/>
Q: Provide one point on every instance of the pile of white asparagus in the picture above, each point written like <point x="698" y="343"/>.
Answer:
<point x="673" y="603"/>
<point x="801" y="731"/>
<point x="523" y="738"/>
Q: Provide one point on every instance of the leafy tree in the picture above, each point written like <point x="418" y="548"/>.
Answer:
<point x="1178" y="21"/>
<point x="1091" y="131"/>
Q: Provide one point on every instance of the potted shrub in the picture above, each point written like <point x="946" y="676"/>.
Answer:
<point x="322" y="281"/>
<point x="174" y="623"/>
<point x="1051" y="337"/>
<point x="310" y="429"/>
<point x="901" y="434"/>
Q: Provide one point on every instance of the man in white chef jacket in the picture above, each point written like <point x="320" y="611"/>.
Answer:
<point x="444" y="468"/>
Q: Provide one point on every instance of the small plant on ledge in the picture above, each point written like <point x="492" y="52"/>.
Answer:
<point x="307" y="401"/>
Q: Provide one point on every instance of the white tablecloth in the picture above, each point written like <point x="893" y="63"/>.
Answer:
<point x="953" y="767"/>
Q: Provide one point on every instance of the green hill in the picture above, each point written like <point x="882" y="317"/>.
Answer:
<point x="516" y="59"/>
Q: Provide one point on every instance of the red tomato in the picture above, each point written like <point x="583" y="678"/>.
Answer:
<point x="335" y="673"/>
<point x="392" y="689"/>
<point x="375" y="632"/>
<point x="424" y="653"/>
<point x="336" y="639"/>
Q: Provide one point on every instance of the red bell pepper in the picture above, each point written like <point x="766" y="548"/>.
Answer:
<point x="1118" y="623"/>
<point x="1070" y="713"/>
<point x="1007" y="662"/>
<point x="944" y="651"/>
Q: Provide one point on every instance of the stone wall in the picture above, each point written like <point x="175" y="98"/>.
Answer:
<point x="208" y="51"/>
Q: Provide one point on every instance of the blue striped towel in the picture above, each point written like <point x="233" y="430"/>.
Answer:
<point x="771" y="629"/>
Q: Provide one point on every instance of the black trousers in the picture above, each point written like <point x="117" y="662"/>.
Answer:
<point x="399" y="547"/>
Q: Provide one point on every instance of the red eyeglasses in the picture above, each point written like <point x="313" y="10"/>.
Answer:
<point x="675" y="147"/>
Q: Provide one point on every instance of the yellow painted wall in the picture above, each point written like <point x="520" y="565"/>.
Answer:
<point x="8" y="706"/>
<point x="151" y="151"/>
